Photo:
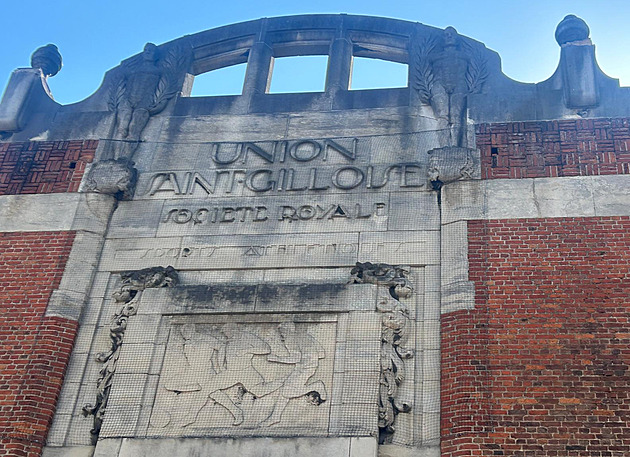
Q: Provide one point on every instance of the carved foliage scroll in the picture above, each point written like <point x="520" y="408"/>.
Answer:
<point x="127" y="296"/>
<point x="395" y="326"/>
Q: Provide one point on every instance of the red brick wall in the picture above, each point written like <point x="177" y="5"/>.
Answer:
<point x="34" y="350"/>
<point x="541" y="366"/>
<point x="554" y="148"/>
<point x="44" y="167"/>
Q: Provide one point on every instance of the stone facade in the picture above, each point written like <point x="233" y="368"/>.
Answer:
<point x="434" y="270"/>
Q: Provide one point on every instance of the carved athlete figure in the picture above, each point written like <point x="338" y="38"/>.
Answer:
<point x="304" y="352"/>
<point x="136" y="106"/>
<point x="450" y="92"/>
<point x="236" y="369"/>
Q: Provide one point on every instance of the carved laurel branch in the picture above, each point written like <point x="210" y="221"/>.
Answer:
<point x="117" y="91"/>
<point x="127" y="295"/>
<point x="395" y="325"/>
<point x="423" y="77"/>
<point x="174" y="64"/>
<point x="477" y="71"/>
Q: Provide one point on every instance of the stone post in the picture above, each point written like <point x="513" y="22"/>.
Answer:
<point x="339" y="66"/>
<point x="258" y="74"/>
<point x="577" y="63"/>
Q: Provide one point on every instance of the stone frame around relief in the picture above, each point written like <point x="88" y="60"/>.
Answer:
<point x="139" y="385"/>
<point x="353" y="307"/>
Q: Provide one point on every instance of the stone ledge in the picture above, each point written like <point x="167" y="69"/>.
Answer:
<point x="243" y="447"/>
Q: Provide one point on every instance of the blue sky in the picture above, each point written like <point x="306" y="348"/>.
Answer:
<point x="94" y="36"/>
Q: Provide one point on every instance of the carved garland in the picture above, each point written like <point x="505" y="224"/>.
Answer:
<point x="394" y="332"/>
<point x="133" y="283"/>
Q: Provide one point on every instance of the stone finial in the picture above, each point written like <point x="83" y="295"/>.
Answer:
<point x="571" y="29"/>
<point x="48" y="59"/>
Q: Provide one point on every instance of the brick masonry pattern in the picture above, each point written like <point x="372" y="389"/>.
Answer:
<point x="554" y="148"/>
<point x="44" y="167"/>
<point x="34" y="349"/>
<point x="541" y="366"/>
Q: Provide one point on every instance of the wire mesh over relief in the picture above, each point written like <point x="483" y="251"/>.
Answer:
<point x="240" y="378"/>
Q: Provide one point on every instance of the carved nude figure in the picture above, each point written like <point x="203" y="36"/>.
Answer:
<point x="236" y="369"/>
<point x="203" y="351"/>
<point x="135" y="108"/>
<point x="142" y="88"/>
<point x="448" y="70"/>
<point x="449" y="94"/>
<point x="304" y="352"/>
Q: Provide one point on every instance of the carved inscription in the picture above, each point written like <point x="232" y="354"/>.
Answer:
<point x="273" y="250"/>
<point x="228" y="181"/>
<point x="285" y="167"/>
<point x="251" y="214"/>
<point x="239" y="376"/>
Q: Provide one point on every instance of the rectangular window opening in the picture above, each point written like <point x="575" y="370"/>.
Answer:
<point x="298" y="74"/>
<point x="222" y="81"/>
<point x="370" y="73"/>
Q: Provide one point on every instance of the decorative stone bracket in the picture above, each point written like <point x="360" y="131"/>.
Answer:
<point x="127" y="295"/>
<point x="112" y="177"/>
<point x="394" y="331"/>
<point x="451" y="164"/>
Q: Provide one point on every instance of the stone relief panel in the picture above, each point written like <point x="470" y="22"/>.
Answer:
<point x="237" y="378"/>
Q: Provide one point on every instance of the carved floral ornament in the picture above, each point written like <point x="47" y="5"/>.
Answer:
<point x="127" y="296"/>
<point x="395" y="326"/>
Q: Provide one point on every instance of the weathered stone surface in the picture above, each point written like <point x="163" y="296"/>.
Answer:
<point x="579" y="196"/>
<point x="245" y="447"/>
<point x="112" y="177"/>
<point x="26" y="87"/>
<point x="69" y="451"/>
<point x="277" y="282"/>
<point x="47" y="59"/>
<point x="25" y="213"/>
